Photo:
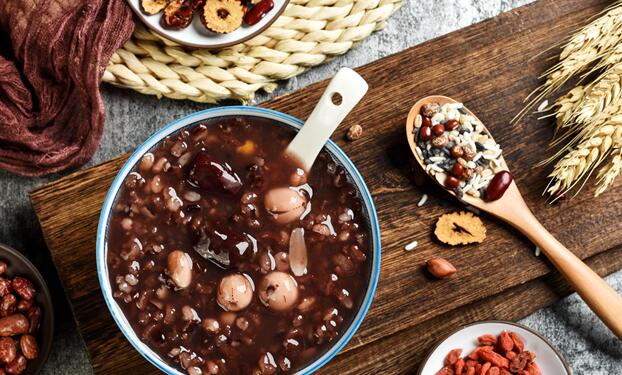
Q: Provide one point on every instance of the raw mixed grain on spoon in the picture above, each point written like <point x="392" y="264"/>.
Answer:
<point x="450" y="149"/>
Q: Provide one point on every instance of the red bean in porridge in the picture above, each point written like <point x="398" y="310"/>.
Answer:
<point x="226" y="258"/>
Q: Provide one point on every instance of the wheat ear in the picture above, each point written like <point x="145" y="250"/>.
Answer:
<point x="581" y="161"/>
<point x="605" y="91"/>
<point x="584" y="109"/>
<point x="586" y="47"/>
<point x="609" y="172"/>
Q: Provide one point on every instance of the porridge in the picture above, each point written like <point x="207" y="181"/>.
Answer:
<point x="226" y="258"/>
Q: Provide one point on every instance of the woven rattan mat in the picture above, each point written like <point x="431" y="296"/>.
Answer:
<point x="307" y="34"/>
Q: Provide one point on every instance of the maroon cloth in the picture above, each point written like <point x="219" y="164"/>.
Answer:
<point x="52" y="57"/>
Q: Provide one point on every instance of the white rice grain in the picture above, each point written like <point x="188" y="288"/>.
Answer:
<point x="436" y="168"/>
<point x="423" y="200"/>
<point x="438" y="118"/>
<point x="411" y="246"/>
<point x="418" y="121"/>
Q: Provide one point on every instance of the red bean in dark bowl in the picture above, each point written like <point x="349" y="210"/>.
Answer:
<point x="26" y="315"/>
<point x="226" y="258"/>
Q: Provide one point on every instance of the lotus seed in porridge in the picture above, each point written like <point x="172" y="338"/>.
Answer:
<point x="226" y="258"/>
<point x="458" y="151"/>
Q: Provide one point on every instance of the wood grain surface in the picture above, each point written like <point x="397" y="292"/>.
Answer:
<point x="491" y="67"/>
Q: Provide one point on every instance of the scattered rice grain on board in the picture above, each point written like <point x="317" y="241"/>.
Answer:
<point x="411" y="246"/>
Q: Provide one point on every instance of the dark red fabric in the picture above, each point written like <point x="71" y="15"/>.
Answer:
<point x="52" y="57"/>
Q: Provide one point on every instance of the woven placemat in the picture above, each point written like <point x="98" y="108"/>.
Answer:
<point x="307" y="34"/>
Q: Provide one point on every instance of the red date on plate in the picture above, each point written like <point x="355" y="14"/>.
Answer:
<point x="258" y="12"/>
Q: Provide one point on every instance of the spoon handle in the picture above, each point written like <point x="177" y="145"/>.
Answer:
<point x="348" y="87"/>
<point x="598" y="295"/>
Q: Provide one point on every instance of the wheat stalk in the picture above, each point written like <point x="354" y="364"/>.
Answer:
<point x="608" y="58"/>
<point x="609" y="172"/>
<point x="589" y="45"/>
<point x="588" y="119"/>
<point x="605" y="91"/>
<point x="585" y="108"/>
<point x="565" y="106"/>
<point x="578" y="164"/>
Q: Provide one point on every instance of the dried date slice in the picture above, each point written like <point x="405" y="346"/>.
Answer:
<point x="222" y="16"/>
<point x="177" y="14"/>
<point x="460" y="228"/>
<point x="152" y="7"/>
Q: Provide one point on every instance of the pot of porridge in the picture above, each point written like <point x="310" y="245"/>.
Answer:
<point x="218" y="254"/>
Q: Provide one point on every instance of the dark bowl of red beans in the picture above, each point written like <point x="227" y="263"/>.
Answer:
<point x="26" y="315"/>
<point x="218" y="254"/>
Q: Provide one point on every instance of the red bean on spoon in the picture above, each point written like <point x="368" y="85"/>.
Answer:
<point x="438" y="129"/>
<point x="451" y="182"/>
<point x="498" y="185"/>
<point x="425" y="133"/>
<point x="457" y="152"/>
<point x="452" y="124"/>
<point x="457" y="170"/>
<point x="426" y="121"/>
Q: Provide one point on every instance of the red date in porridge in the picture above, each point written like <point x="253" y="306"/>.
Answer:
<point x="226" y="258"/>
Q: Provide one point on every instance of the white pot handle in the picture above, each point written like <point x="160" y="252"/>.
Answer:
<point x="327" y="116"/>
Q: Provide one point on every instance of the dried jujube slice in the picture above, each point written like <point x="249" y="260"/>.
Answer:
<point x="460" y="228"/>
<point x="178" y="14"/>
<point x="222" y="16"/>
<point x="152" y="7"/>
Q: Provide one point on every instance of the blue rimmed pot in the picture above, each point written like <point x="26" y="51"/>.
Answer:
<point x="283" y="120"/>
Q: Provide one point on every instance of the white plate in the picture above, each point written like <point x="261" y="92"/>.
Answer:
<point x="196" y="35"/>
<point x="547" y="357"/>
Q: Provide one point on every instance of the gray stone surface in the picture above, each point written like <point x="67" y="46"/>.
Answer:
<point x="587" y="344"/>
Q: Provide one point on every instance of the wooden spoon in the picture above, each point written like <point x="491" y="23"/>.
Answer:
<point x="511" y="208"/>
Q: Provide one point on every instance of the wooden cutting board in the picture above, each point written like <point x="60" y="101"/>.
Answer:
<point x="489" y="67"/>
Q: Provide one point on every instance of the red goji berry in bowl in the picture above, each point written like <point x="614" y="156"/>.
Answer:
<point x="496" y="347"/>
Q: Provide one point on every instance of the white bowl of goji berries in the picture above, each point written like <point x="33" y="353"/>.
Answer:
<point x="494" y="347"/>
